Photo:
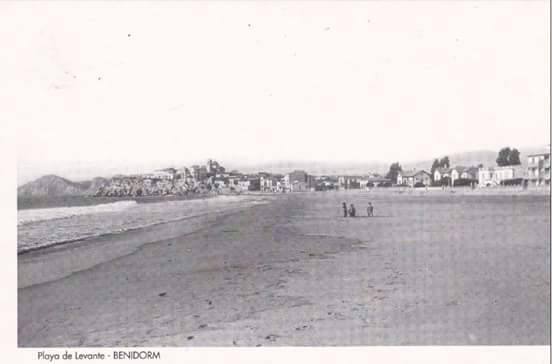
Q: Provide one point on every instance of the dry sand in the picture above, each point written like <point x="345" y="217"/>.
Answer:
<point x="426" y="270"/>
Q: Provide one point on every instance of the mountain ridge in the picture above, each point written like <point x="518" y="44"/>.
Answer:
<point x="470" y="158"/>
<point x="53" y="185"/>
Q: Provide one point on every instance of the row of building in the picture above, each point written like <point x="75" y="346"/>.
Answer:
<point x="213" y="177"/>
<point x="441" y="176"/>
<point x="537" y="173"/>
<point x="299" y="180"/>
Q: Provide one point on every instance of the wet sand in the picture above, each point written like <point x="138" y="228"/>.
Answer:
<point x="426" y="270"/>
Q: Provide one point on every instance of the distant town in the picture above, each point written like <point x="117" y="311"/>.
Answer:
<point x="214" y="178"/>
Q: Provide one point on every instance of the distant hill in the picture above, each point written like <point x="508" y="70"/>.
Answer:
<point x="472" y="158"/>
<point x="52" y="185"/>
<point x="316" y="168"/>
<point x="467" y="159"/>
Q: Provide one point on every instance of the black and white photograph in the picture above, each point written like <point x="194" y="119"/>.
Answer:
<point x="287" y="175"/>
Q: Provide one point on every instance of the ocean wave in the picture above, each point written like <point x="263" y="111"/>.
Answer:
<point x="78" y="236"/>
<point x="41" y="228"/>
<point x="35" y="215"/>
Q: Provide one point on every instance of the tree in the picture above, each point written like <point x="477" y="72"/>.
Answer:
<point x="508" y="157"/>
<point x="514" y="157"/>
<point x="445" y="162"/>
<point x="394" y="170"/>
<point x="503" y="156"/>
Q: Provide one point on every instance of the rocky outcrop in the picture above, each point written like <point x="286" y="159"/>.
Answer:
<point x="136" y="186"/>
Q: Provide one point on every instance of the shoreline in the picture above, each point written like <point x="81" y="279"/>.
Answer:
<point x="91" y="235"/>
<point x="91" y="239"/>
<point x="25" y="203"/>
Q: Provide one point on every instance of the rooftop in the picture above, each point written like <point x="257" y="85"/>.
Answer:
<point x="412" y="173"/>
<point x="539" y="154"/>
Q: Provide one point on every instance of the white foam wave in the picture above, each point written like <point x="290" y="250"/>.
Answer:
<point x="34" y="215"/>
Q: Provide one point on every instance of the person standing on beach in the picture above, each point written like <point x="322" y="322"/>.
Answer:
<point x="370" y="209"/>
<point x="352" y="211"/>
<point x="344" y="209"/>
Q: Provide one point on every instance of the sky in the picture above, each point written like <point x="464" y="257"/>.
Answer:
<point x="101" y="88"/>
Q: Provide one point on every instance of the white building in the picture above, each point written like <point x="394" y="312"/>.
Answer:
<point x="494" y="176"/>
<point x="538" y="168"/>
<point x="161" y="174"/>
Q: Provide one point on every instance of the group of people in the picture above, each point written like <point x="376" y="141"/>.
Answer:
<point x="351" y="211"/>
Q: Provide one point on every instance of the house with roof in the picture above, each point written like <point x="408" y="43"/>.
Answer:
<point x="461" y="172"/>
<point x="456" y="172"/>
<point x="413" y="177"/>
<point x="441" y="174"/>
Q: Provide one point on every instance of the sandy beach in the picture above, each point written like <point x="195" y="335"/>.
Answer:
<point x="426" y="270"/>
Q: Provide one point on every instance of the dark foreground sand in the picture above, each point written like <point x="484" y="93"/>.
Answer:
<point x="427" y="270"/>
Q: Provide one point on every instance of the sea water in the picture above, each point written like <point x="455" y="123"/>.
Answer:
<point x="39" y="228"/>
